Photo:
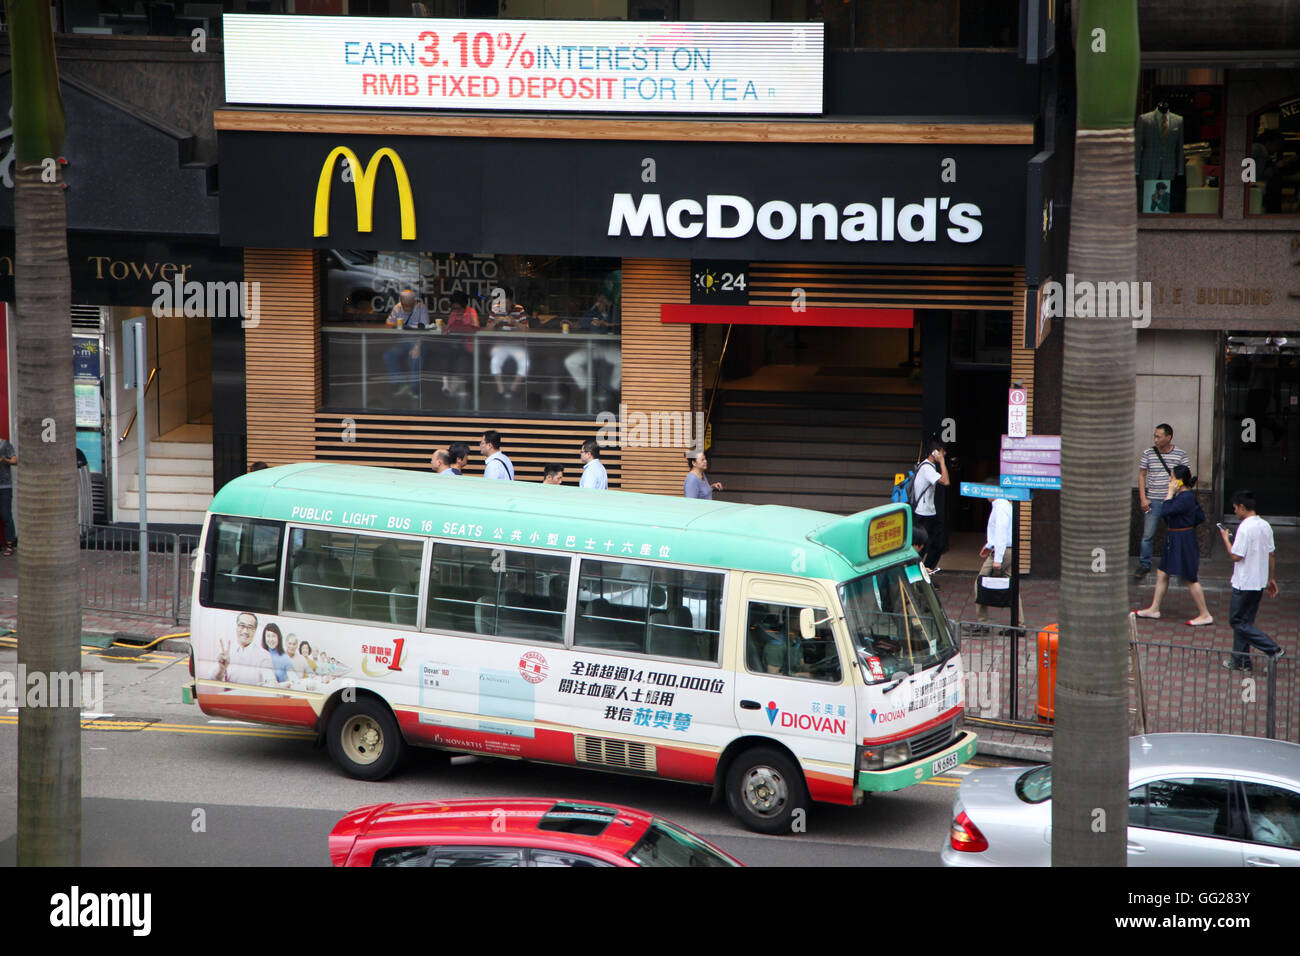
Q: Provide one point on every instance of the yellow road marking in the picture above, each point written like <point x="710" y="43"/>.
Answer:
<point x="287" y="733"/>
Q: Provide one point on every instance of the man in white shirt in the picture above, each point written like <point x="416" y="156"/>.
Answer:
<point x="496" y="464"/>
<point x="247" y="663"/>
<point x="1252" y="577"/>
<point x="593" y="472"/>
<point x="932" y="471"/>
<point x="998" y="554"/>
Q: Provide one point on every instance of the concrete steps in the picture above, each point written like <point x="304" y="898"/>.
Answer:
<point x="180" y="484"/>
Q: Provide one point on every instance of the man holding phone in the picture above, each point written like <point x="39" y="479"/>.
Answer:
<point x="1253" y="575"/>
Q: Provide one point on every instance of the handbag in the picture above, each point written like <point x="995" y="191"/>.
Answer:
<point x="993" y="591"/>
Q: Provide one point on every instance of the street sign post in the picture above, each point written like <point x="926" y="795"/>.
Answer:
<point x="135" y="338"/>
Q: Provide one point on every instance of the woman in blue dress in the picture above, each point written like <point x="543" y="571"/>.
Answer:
<point x="1181" y="556"/>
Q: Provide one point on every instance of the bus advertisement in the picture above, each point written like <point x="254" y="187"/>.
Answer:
<point x="775" y="654"/>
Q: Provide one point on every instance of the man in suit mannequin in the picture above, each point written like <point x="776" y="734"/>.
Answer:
<point x="1159" y="152"/>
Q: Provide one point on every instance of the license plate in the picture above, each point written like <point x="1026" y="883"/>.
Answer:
<point x="944" y="764"/>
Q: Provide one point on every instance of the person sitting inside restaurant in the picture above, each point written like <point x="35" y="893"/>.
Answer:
<point x="600" y="319"/>
<point x="461" y="320"/>
<point x="511" y="317"/>
<point x="409" y="313"/>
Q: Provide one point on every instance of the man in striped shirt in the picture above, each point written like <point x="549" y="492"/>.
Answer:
<point x="1154" y="469"/>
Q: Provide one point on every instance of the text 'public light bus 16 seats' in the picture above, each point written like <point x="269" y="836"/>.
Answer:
<point x="774" y="653"/>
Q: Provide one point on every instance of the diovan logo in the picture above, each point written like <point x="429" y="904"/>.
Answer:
<point x="886" y="716"/>
<point x="772" y="711"/>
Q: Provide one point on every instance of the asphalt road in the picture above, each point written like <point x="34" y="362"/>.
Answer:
<point x="163" y="784"/>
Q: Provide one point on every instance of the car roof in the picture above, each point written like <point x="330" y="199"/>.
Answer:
<point x="522" y="816"/>
<point x="1214" y="753"/>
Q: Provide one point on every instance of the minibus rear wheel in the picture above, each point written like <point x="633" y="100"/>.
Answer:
<point x="364" y="739"/>
<point x="764" y="789"/>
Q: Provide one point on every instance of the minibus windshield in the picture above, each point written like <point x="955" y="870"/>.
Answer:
<point x="897" y="623"/>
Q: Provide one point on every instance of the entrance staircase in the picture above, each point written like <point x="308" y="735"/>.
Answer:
<point x="179" y="470"/>
<point x="834" y="446"/>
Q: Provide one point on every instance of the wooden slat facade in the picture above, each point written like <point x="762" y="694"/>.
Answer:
<point x="1022" y="371"/>
<point x="884" y="286"/>
<point x="659" y="376"/>
<point x="408" y="441"/>
<point x="604" y="128"/>
<point x="282" y="355"/>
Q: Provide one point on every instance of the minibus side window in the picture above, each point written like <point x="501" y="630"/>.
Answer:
<point x="244" y="561"/>
<point x="499" y="593"/>
<point x="645" y="609"/>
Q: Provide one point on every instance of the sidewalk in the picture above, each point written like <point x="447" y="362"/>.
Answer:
<point x="95" y="624"/>
<point x="1278" y="617"/>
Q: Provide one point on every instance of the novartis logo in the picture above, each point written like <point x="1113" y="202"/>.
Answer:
<point x="734" y="217"/>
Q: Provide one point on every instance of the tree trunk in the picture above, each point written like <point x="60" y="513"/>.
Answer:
<point x="1090" y="749"/>
<point x="49" y="592"/>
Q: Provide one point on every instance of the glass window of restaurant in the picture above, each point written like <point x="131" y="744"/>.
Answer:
<point x="1273" y="138"/>
<point x="1178" y="145"/>
<point x="453" y="333"/>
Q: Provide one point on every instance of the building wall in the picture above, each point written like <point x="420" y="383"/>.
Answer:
<point x="1176" y="385"/>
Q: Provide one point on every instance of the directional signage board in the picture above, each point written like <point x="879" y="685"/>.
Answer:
<point x="1041" y="456"/>
<point x="1030" y="468"/>
<point x="971" y="490"/>
<point x="1032" y="442"/>
<point x="1017" y="413"/>
<point x="1031" y="481"/>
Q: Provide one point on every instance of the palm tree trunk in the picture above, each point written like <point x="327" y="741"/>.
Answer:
<point x="49" y="598"/>
<point x="1090" y="750"/>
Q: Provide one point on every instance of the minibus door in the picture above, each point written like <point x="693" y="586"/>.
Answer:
<point x="797" y="689"/>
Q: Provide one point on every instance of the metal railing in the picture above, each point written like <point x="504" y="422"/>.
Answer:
<point x="110" y="572"/>
<point x="1172" y="688"/>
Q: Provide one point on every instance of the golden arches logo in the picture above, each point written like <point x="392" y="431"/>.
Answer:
<point x="363" y="186"/>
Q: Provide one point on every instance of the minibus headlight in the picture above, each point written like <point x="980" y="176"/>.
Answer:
<point x="883" y="757"/>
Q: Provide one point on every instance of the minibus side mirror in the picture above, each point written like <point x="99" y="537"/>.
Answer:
<point x="808" y="623"/>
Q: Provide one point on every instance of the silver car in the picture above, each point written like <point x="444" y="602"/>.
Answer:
<point x="1194" y="800"/>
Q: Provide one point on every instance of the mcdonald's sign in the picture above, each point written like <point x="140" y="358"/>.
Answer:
<point x="363" y="186"/>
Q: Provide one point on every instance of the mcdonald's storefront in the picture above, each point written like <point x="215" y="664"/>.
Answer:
<point x="667" y="270"/>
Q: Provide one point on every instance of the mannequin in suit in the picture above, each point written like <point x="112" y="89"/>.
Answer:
<point x="1159" y="150"/>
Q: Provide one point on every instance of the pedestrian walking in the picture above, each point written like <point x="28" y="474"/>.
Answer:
<point x="593" y="472"/>
<point x="1155" y="468"/>
<point x="1253" y="576"/>
<point x="495" y="463"/>
<point x="553" y="474"/>
<point x="442" y="464"/>
<point x="1180" y="557"/>
<point x="931" y="472"/>
<point x="697" y="483"/>
<point x="998" y="553"/>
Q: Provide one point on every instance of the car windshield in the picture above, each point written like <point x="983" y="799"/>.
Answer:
<point x="1035" y="786"/>
<point x="897" y="623"/>
<point x="663" y="844"/>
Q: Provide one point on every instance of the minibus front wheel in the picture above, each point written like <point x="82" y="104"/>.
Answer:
<point x="765" y="789"/>
<point x="364" y="739"/>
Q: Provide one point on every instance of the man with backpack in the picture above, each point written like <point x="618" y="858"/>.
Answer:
<point x="930" y="472"/>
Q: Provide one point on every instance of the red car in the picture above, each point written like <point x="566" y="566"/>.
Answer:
<point x="515" y="832"/>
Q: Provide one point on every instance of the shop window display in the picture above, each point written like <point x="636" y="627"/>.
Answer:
<point x="466" y="334"/>
<point x="1178" y="149"/>
<point x="1274" y="137"/>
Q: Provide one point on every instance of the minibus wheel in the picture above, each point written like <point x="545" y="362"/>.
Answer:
<point x="764" y="789"/>
<point x="364" y="740"/>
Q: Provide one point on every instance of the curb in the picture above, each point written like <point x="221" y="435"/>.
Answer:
<point x="996" y="748"/>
